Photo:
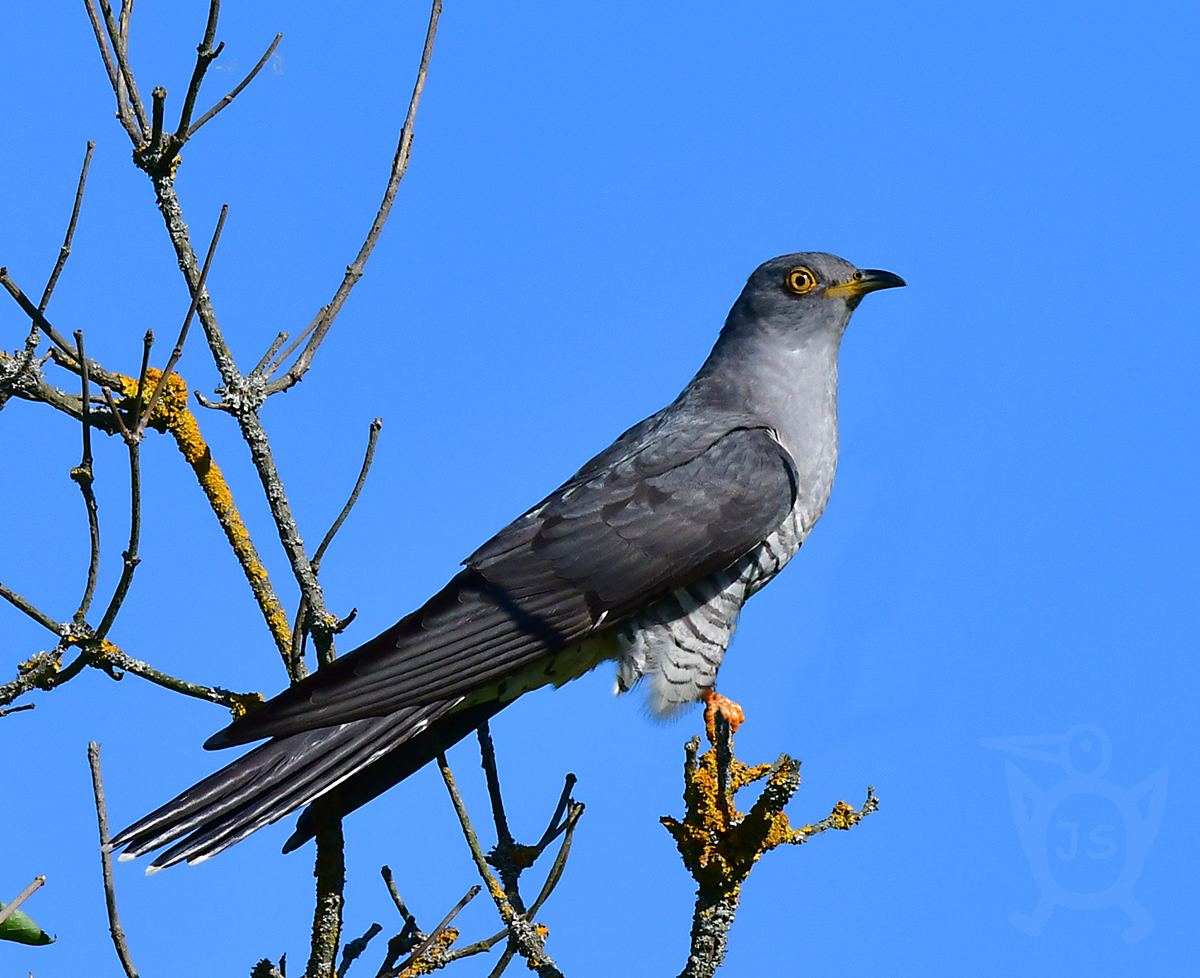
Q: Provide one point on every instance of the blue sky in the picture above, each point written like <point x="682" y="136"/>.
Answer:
<point x="1010" y="547"/>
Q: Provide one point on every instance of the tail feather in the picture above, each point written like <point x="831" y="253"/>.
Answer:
<point x="354" y="761"/>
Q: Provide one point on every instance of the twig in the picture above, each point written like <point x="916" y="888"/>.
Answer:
<point x="355" y="270"/>
<point x="40" y="617"/>
<point x="232" y="95"/>
<point x="355" y="948"/>
<point x="114" y="77"/>
<point x="372" y="438"/>
<point x="10" y="908"/>
<point x="503" y="855"/>
<point x="187" y="320"/>
<point x="65" y="251"/>
<point x="17" y="709"/>
<point x="271" y="351"/>
<point x="560" y="861"/>
<point x="103" y="651"/>
<point x="129" y="557"/>
<point x="158" y="96"/>
<point x="138" y="429"/>
<point x="407" y="917"/>
<point x="110" y="893"/>
<point x="121" y="50"/>
<point x="295" y="343"/>
<point x="522" y="931"/>
<point x="83" y="477"/>
<point x="34" y="313"/>
<point x="434" y="934"/>
<point x="205" y="55"/>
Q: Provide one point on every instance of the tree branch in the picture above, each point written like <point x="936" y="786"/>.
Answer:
<point x="188" y="133"/>
<point x="65" y="251"/>
<point x="110" y="893"/>
<point x="355" y="270"/>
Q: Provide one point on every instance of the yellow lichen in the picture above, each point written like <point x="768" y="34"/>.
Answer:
<point x="171" y="414"/>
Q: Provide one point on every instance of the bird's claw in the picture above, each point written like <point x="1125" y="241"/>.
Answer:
<point x="731" y="711"/>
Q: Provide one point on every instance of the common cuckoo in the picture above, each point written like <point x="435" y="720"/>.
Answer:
<point x="644" y="557"/>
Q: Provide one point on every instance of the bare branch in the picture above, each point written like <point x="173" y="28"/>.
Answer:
<point x="65" y="251"/>
<point x="110" y="893"/>
<point x="130" y="558"/>
<point x="524" y="933"/>
<point x="17" y="709"/>
<point x="10" y="908"/>
<point x="82" y="475"/>
<point x="124" y="115"/>
<point x="355" y="270"/>
<point x="355" y="948"/>
<point x="189" y="132"/>
<point x="372" y="438"/>
<point x="34" y="313"/>
<point x="187" y="320"/>
<point x="205" y="55"/>
<point x="271" y="351"/>
<point x="21" y="604"/>
<point x="158" y="97"/>
<point x="330" y="872"/>
<point x="437" y="932"/>
<point x="121" y="50"/>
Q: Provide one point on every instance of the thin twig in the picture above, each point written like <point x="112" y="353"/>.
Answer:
<point x="502" y="857"/>
<point x="65" y="250"/>
<point x="34" y="313"/>
<point x="190" y="132"/>
<point x="434" y="934"/>
<point x="130" y="557"/>
<point x="83" y="477"/>
<point x="271" y="351"/>
<point x="138" y="429"/>
<point x="296" y="342"/>
<point x="205" y="55"/>
<point x="355" y="948"/>
<point x="121" y="50"/>
<point x="372" y="438"/>
<point x="110" y="893"/>
<point x="158" y="97"/>
<point x="10" y="908"/>
<point x="40" y="617"/>
<point x="112" y="406"/>
<point x="355" y="270"/>
<point x="17" y="709"/>
<point x="187" y="320"/>
<point x="114" y="77"/>
<point x="105" y="652"/>
<point x="560" y="861"/>
<point x="523" y="932"/>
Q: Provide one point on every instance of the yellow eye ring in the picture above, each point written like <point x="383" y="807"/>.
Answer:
<point x="801" y="280"/>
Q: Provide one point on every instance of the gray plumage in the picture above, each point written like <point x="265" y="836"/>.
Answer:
<point x="645" y="556"/>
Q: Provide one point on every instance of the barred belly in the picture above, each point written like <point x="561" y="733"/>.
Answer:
<point x="677" y="644"/>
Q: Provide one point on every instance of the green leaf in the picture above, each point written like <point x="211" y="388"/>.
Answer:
<point x="21" y="929"/>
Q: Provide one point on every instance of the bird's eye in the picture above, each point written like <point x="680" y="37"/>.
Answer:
<point x="801" y="280"/>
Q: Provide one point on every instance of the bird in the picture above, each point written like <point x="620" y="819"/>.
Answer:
<point x="644" y="557"/>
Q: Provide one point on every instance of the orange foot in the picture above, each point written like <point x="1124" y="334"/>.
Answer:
<point x="714" y="702"/>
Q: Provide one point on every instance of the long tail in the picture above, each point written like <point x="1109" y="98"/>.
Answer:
<point x="351" y="763"/>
